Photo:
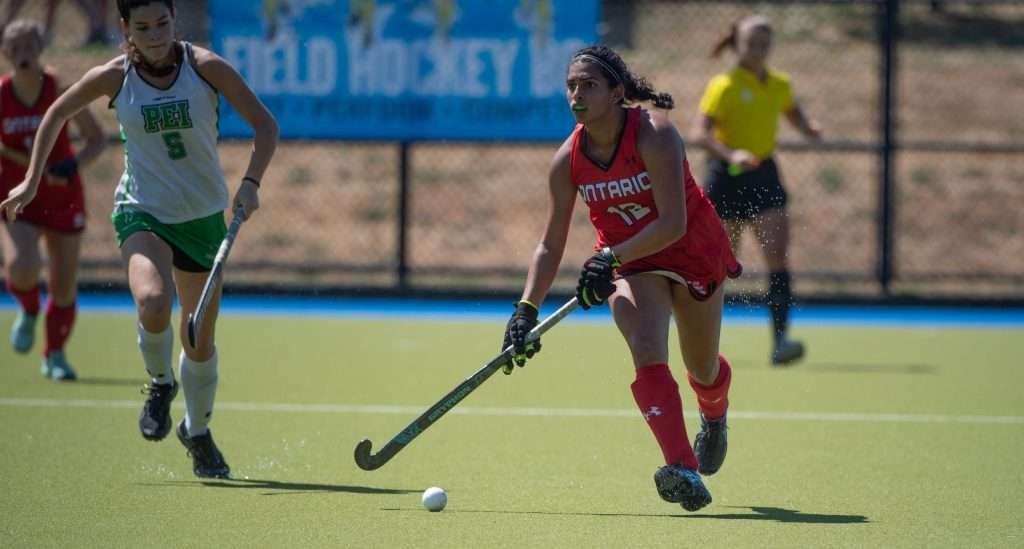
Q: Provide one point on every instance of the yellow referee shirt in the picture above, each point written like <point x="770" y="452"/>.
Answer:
<point x="746" y="110"/>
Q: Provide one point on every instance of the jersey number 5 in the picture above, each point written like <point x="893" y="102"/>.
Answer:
<point x="175" y="145"/>
<point x="630" y="212"/>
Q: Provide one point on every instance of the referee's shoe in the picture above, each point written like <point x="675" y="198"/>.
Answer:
<point x="787" y="351"/>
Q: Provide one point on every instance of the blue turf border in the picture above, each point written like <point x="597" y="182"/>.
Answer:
<point x="466" y="309"/>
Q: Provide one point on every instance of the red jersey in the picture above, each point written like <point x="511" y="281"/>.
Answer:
<point x="621" y="203"/>
<point x="56" y="206"/>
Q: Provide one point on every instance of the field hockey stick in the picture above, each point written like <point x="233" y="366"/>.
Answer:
<point x="23" y="160"/>
<point x="15" y="156"/>
<point x="195" y="319"/>
<point x="367" y="461"/>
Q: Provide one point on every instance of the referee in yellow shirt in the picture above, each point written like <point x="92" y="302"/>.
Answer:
<point x="737" y="123"/>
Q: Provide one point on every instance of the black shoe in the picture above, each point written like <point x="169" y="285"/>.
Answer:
<point x="786" y="352"/>
<point x="155" y="419"/>
<point x="677" y="484"/>
<point x="710" y="445"/>
<point x="207" y="461"/>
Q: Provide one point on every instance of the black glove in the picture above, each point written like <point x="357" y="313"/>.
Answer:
<point x="518" y="327"/>
<point x="596" y="285"/>
<point x="63" y="169"/>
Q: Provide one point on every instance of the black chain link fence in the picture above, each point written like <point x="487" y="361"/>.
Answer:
<point x="943" y="217"/>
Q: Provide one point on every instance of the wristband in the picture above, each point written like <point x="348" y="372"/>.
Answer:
<point x="530" y="303"/>
<point x="252" y="180"/>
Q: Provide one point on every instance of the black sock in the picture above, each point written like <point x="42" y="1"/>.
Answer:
<point x="779" y="300"/>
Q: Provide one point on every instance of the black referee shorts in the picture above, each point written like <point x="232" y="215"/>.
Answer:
<point x="743" y="197"/>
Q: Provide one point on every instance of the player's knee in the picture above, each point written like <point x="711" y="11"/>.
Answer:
<point x="153" y="305"/>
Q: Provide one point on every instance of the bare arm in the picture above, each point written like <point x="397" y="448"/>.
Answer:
<point x="702" y="135"/>
<point x="548" y="255"/>
<point x="808" y="127"/>
<point x="661" y="149"/>
<point x="228" y="82"/>
<point x="91" y="132"/>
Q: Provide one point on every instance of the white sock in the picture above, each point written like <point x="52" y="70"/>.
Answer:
<point x="156" y="354"/>
<point x="199" y="381"/>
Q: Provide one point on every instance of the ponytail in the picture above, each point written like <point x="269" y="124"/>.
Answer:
<point x="615" y="71"/>
<point x="731" y="38"/>
<point x="727" y="39"/>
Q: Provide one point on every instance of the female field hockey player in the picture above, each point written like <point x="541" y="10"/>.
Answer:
<point x="661" y="252"/>
<point x="736" y="123"/>
<point x="169" y="205"/>
<point x="58" y="213"/>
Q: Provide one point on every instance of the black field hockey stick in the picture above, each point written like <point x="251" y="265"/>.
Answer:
<point x="367" y="461"/>
<point x="195" y="318"/>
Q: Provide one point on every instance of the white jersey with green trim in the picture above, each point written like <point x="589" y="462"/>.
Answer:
<point x="172" y="169"/>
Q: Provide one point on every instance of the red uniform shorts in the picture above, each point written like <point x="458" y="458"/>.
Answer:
<point x="59" y="208"/>
<point x="701" y="260"/>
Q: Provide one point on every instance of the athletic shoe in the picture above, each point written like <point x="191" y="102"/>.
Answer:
<point x="787" y="351"/>
<point x="155" y="419"/>
<point x="23" y="332"/>
<point x="56" y="367"/>
<point x="710" y="445"/>
<point x="207" y="461"/>
<point x="677" y="484"/>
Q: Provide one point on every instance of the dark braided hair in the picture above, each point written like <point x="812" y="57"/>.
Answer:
<point x="124" y="9"/>
<point x="615" y="71"/>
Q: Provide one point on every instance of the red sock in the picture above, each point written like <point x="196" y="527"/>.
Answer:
<point x="714" y="399"/>
<point x="59" y="321"/>
<point x="29" y="299"/>
<point x="657" y="395"/>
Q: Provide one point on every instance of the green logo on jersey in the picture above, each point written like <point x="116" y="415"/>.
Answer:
<point x="166" y="116"/>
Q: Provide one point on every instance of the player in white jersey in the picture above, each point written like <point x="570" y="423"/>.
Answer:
<point x="169" y="205"/>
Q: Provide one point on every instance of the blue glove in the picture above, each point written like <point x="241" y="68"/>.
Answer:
<point x="596" y="279"/>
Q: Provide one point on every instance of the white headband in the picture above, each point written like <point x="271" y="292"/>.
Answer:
<point x="603" y="63"/>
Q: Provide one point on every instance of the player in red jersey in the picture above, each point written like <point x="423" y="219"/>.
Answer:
<point x="661" y="252"/>
<point x="58" y="212"/>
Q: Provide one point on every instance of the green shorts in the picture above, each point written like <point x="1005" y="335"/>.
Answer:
<point x="198" y="240"/>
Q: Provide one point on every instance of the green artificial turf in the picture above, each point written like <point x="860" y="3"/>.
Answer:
<point x="883" y="437"/>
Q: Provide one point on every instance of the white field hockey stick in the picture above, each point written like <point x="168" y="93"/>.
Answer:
<point x="368" y="462"/>
<point x="195" y="318"/>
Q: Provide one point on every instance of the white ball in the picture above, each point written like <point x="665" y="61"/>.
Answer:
<point x="434" y="499"/>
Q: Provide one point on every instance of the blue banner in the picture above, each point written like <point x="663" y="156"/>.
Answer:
<point x="405" y="69"/>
